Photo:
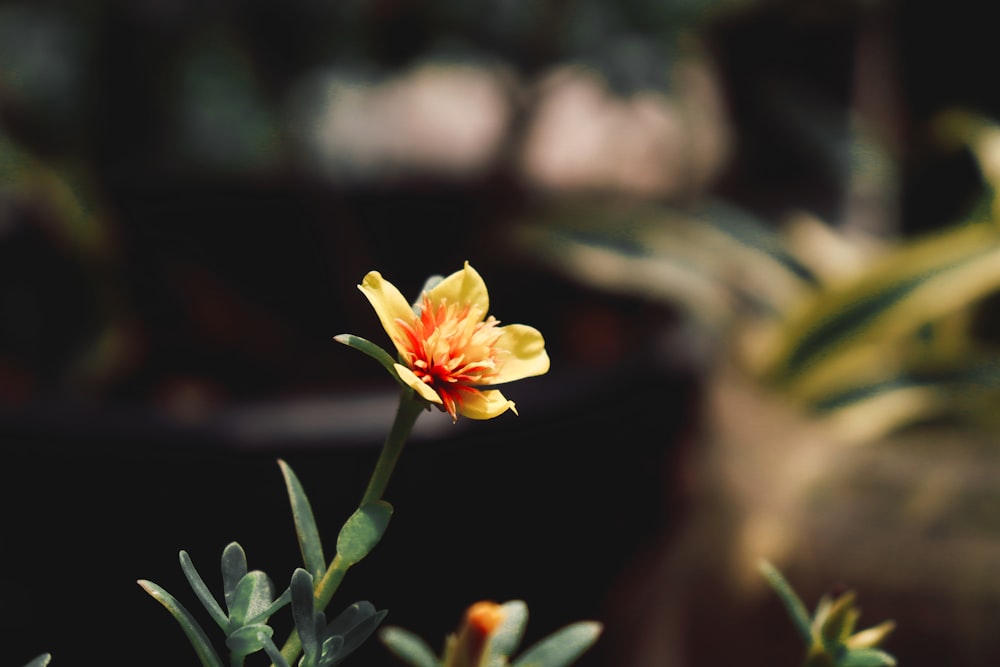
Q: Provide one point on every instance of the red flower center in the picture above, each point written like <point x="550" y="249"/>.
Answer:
<point x="451" y="348"/>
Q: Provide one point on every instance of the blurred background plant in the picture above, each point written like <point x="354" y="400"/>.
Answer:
<point x="189" y="191"/>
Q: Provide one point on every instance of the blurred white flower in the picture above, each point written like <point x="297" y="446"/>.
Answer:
<point x="443" y="119"/>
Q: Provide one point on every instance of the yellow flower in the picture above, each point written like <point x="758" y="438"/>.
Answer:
<point x="450" y="352"/>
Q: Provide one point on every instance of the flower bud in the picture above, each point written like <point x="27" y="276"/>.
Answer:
<point x="469" y="647"/>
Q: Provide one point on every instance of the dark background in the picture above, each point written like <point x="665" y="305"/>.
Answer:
<point x="162" y="349"/>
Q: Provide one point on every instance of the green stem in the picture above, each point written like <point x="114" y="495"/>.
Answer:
<point x="410" y="407"/>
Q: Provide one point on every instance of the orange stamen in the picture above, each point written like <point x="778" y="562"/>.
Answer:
<point x="452" y="349"/>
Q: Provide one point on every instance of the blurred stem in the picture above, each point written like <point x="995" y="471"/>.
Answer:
<point x="410" y="407"/>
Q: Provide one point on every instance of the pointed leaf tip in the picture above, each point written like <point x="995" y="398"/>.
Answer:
<point x="306" y="530"/>
<point x="408" y="647"/>
<point x="562" y="647"/>
<point x="372" y="350"/>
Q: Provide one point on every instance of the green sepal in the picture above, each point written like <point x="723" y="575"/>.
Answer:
<point x="201" y="591"/>
<point x="248" y="639"/>
<point x="194" y="632"/>
<point x="511" y="631"/>
<point x="373" y="351"/>
<point x="362" y="531"/>
<point x="40" y="661"/>
<point x="408" y="647"/>
<point x="305" y="523"/>
<point x="562" y="647"/>
<point x="793" y="604"/>
<point x="867" y="657"/>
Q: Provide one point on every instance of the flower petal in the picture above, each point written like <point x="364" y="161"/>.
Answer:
<point x="464" y="287"/>
<point x="388" y="302"/>
<point x="485" y="405"/>
<point x="416" y="384"/>
<point x="527" y="355"/>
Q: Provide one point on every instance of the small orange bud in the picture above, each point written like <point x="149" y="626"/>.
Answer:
<point x="484" y="617"/>
<point x="480" y="623"/>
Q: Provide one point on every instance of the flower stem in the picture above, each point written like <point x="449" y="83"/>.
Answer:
<point x="410" y="407"/>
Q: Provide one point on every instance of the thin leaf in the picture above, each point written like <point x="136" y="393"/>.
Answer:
<point x="562" y="647"/>
<point x="919" y="283"/>
<point x="278" y="603"/>
<point x="330" y="649"/>
<point x="408" y="647"/>
<point x="277" y="660"/>
<point x="511" y="631"/>
<point x="867" y="657"/>
<point x="305" y="523"/>
<point x="201" y="591"/>
<point x="40" y="661"/>
<point x="195" y="634"/>
<point x="372" y="350"/>
<point x="362" y="531"/>
<point x="350" y="617"/>
<point x="792" y="602"/>
<point x="304" y="610"/>
<point x="359" y="633"/>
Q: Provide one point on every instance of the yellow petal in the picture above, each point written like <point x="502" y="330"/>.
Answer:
<point x="388" y="302"/>
<point x="526" y="353"/>
<point x="416" y="384"/>
<point x="485" y="405"/>
<point x="465" y="286"/>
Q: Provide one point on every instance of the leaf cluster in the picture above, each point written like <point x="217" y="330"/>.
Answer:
<point x="249" y="598"/>
<point x="829" y="634"/>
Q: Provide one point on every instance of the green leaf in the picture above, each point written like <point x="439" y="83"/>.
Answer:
<point x="248" y="639"/>
<point x="372" y="350"/>
<point x="304" y="611"/>
<point x="918" y="283"/>
<point x="251" y="600"/>
<point x="40" y="661"/>
<point x="234" y="568"/>
<point x="332" y="647"/>
<point x="201" y="591"/>
<point x="350" y="617"/>
<point x="362" y="620"/>
<point x="562" y="647"/>
<point x="867" y="657"/>
<point x="510" y="633"/>
<point x="195" y="633"/>
<point x="796" y="609"/>
<point x="363" y="530"/>
<point x="839" y="621"/>
<point x="305" y="524"/>
<point x="408" y="647"/>
<point x="279" y="602"/>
